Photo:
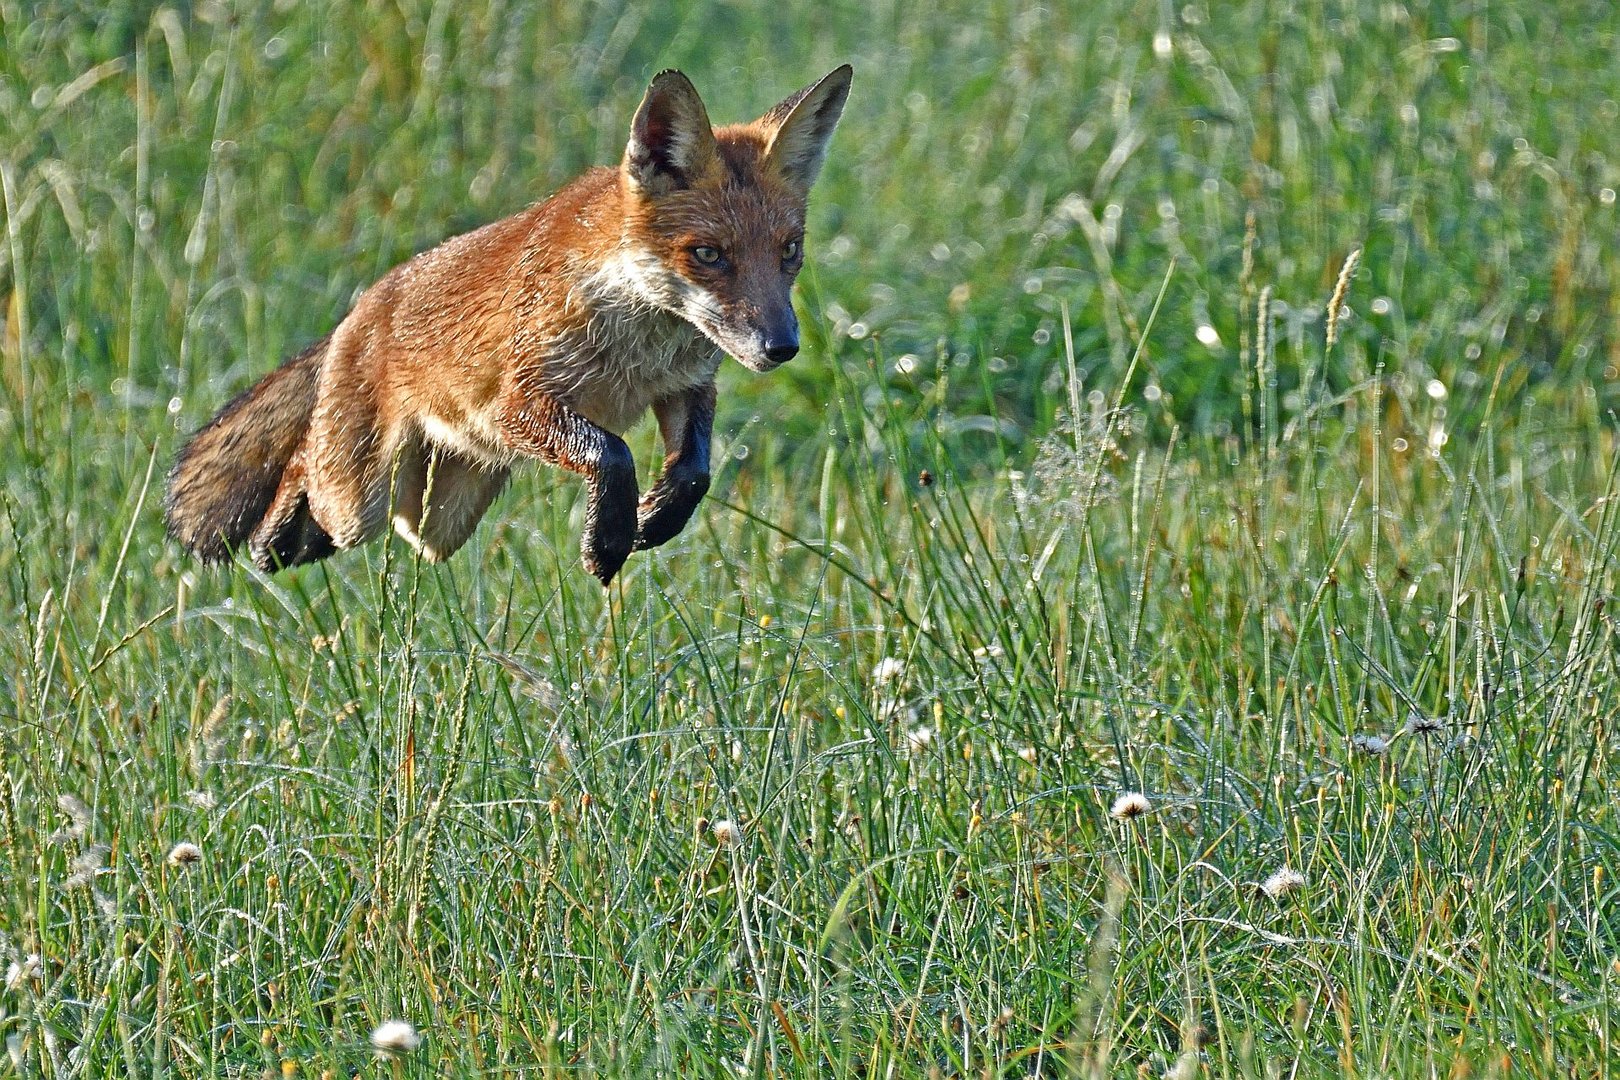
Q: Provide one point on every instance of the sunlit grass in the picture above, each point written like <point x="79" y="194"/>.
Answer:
<point x="1082" y="666"/>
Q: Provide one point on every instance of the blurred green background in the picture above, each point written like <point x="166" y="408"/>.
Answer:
<point x="196" y="190"/>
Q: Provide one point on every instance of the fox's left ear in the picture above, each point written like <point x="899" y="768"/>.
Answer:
<point x="804" y="125"/>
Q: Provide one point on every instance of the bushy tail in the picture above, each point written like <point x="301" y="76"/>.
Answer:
<point x="226" y="477"/>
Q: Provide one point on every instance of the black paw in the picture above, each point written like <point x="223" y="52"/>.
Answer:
<point x="668" y="507"/>
<point x="606" y="548"/>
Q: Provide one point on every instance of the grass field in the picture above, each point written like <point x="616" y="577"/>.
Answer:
<point x="1069" y="496"/>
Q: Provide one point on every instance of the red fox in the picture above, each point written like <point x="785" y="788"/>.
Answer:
<point x="546" y="335"/>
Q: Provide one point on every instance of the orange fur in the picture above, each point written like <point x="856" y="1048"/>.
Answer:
<point x="545" y="334"/>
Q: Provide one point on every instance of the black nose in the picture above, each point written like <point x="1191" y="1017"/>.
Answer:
<point x="780" y="352"/>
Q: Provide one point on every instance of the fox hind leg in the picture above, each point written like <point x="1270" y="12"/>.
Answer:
<point x="440" y="496"/>
<point x="348" y="456"/>
<point x="288" y="534"/>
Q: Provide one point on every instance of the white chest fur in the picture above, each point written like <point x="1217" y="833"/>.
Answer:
<point x="633" y="350"/>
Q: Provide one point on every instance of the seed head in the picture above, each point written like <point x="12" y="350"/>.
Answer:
<point x="919" y="739"/>
<point x="19" y="972"/>
<point x="85" y="866"/>
<point x="727" y="833"/>
<point x="210" y="742"/>
<point x="889" y="669"/>
<point x="1375" y="745"/>
<point x="1336" y="303"/>
<point x="1282" y="882"/>
<point x="77" y="812"/>
<point x="394" y="1037"/>
<point x="1419" y="724"/>
<point x="1130" y="804"/>
<point x="184" y="854"/>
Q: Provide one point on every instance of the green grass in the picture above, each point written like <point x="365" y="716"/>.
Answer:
<point x="1073" y="263"/>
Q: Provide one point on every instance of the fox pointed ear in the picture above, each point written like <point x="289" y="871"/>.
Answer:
<point x="804" y="125"/>
<point x="671" y="142"/>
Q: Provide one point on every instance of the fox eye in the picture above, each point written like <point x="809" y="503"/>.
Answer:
<point x="706" y="255"/>
<point x="790" y="250"/>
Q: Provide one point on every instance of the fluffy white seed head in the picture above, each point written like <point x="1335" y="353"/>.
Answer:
<point x="889" y="669"/>
<point x="1282" y="882"/>
<point x="184" y="854"/>
<point x="78" y="813"/>
<point x="85" y="866"/>
<point x="1419" y="724"/>
<point x="20" y="972"/>
<point x="1375" y="745"/>
<point x="726" y="833"/>
<point x="1129" y="805"/>
<point x="395" y="1037"/>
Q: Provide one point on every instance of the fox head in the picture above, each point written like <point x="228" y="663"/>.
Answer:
<point x="714" y="217"/>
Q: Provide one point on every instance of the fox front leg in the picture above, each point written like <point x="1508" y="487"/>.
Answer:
<point x="686" y="422"/>
<point x="544" y="427"/>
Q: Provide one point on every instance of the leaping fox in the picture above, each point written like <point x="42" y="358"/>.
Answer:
<point x="545" y="334"/>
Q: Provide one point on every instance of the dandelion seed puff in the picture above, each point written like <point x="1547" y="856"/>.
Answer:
<point x="888" y="669"/>
<point x="1375" y="745"/>
<point x="727" y="833"/>
<point x="1282" y="882"/>
<point x="202" y="800"/>
<point x="1028" y="753"/>
<point x="395" y="1037"/>
<point x="22" y="971"/>
<point x="1419" y="724"/>
<point x="184" y="854"/>
<point x="919" y="739"/>
<point x="1130" y="804"/>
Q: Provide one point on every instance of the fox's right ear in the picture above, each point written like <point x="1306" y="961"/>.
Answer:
<point x="671" y="142"/>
